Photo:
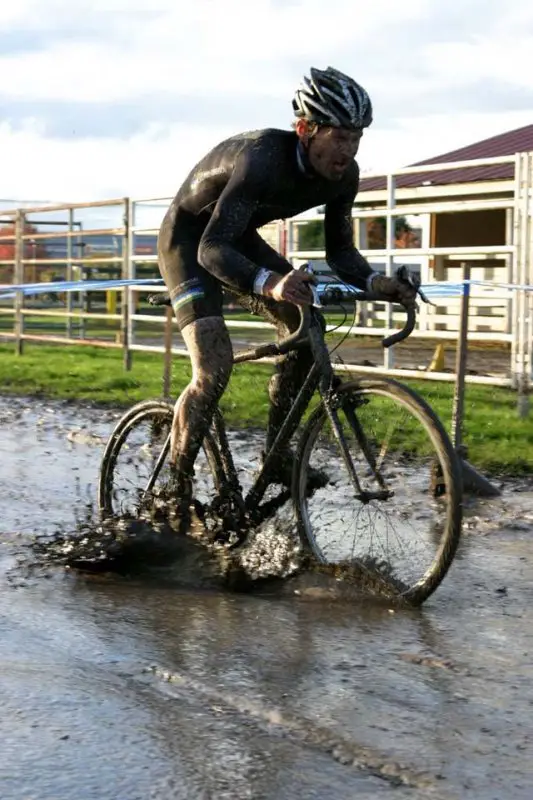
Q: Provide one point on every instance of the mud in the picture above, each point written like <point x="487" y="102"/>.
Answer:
<point x="168" y="684"/>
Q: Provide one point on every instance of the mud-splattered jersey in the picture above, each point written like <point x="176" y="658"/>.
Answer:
<point x="252" y="179"/>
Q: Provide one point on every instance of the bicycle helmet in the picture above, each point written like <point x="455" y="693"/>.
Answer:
<point x="329" y="97"/>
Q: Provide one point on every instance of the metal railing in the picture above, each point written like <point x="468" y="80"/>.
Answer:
<point x="135" y="327"/>
<point x="71" y="266"/>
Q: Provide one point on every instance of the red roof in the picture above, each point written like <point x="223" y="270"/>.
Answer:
<point x="519" y="140"/>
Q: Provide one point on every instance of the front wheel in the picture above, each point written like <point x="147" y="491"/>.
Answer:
<point x="400" y="518"/>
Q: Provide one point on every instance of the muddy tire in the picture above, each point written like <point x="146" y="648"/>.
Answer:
<point x="156" y="413"/>
<point x="404" y="466"/>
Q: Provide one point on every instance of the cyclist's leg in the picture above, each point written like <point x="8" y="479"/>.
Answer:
<point x="293" y="368"/>
<point x="209" y="346"/>
<point x="197" y="302"/>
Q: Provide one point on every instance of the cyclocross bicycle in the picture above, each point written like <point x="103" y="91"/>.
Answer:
<point x="391" y="498"/>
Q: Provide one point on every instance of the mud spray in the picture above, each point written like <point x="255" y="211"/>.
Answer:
<point x="271" y="560"/>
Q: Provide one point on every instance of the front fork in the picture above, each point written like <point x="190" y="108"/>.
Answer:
<point x="333" y="401"/>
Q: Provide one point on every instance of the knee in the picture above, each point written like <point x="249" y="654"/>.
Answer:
<point x="287" y="317"/>
<point x="290" y="372"/>
<point x="212" y="382"/>
<point x="274" y="383"/>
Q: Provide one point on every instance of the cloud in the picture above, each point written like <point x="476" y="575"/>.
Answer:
<point x="205" y="49"/>
<point x="415" y="138"/>
<point x="81" y="169"/>
<point x="127" y="118"/>
<point x="105" y="97"/>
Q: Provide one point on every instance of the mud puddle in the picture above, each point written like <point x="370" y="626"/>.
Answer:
<point x="127" y="687"/>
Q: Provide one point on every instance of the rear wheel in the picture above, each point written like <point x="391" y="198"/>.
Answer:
<point x="403" y="524"/>
<point x="135" y="476"/>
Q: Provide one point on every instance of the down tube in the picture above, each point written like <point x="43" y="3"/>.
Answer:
<point x="297" y="410"/>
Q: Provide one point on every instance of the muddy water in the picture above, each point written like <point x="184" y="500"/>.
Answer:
<point x="124" y="688"/>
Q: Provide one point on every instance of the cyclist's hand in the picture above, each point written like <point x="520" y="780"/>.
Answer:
<point x="395" y="290"/>
<point x="293" y="288"/>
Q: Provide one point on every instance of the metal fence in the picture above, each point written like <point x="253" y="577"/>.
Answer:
<point x="26" y="245"/>
<point x="120" y="318"/>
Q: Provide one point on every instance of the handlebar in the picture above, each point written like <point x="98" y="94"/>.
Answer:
<point x="337" y="294"/>
<point x="279" y="348"/>
<point x="326" y="295"/>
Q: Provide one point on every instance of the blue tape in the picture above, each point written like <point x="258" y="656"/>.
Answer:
<point x="438" y="289"/>
<point x="29" y="289"/>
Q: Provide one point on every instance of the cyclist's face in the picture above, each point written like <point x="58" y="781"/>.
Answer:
<point x="331" y="151"/>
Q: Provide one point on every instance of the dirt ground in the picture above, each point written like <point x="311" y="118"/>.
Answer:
<point x="121" y="688"/>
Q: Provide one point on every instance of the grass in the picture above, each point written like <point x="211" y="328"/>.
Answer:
<point x="498" y="441"/>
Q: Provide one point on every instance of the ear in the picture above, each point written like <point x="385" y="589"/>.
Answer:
<point x="302" y="130"/>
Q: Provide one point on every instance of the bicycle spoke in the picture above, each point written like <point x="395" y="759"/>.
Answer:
<point x="158" y="466"/>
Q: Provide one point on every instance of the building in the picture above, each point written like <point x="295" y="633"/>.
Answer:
<point x="461" y="227"/>
<point x="476" y="211"/>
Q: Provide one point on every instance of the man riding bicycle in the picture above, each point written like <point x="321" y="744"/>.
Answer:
<point x="209" y="241"/>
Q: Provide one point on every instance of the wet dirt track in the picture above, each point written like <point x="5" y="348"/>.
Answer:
<point x="123" y="689"/>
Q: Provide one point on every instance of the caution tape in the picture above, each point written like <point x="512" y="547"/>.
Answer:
<point x="52" y="287"/>
<point x="434" y="289"/>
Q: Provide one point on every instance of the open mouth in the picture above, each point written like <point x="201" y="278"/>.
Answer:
<point x="340" y="165"/>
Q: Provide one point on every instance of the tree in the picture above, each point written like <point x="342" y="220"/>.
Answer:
<point x="311" y="235"/>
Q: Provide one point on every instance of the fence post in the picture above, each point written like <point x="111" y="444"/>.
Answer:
<point x="460" y="362"/>
<point x="473" y="481"/>
<point x="126" y="291"/>
<point x="524" y="336"/>
<point x="18" y="276"/>
<point x="523" y="383"/>
<point x="388" y="355"/>
<point x="69" y="274"/>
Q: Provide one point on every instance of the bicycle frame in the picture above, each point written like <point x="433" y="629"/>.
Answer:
<point x="321" y="376"/>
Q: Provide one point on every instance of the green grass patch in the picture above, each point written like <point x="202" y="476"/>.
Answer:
<point x="498" y="440"/>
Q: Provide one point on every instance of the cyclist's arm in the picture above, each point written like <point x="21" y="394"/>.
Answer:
<point x="220" y="250"/>
<point x="260" y="252"/>
<point x="341" y="254"/>
<point x="276" y="278"/>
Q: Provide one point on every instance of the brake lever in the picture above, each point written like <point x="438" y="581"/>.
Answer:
<point x="403" y="274"/>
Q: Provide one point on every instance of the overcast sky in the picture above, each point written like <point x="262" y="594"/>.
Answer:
<point x="106" y="98"/>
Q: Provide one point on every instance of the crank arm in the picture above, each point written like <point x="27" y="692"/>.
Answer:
<point x="382" y="494"/>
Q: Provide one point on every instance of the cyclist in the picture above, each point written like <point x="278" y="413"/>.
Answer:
<point x="209" y="241"/>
